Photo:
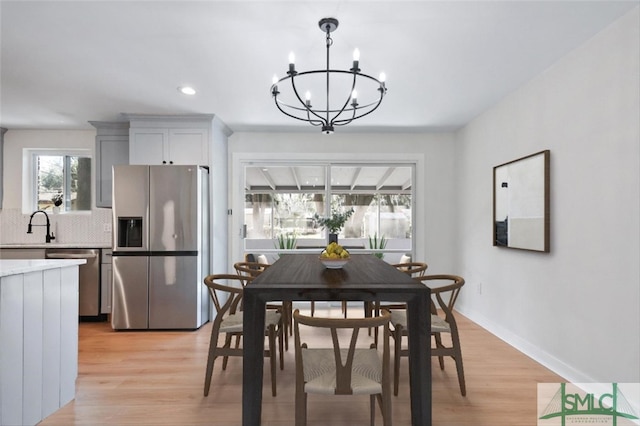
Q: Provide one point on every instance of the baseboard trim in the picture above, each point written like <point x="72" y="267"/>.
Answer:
<point x="569" y="373"/>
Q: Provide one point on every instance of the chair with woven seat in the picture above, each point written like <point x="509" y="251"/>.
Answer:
<point x="414" y="270"/>
<point x="348" y="370"/>
<point x="226" y="292"/>
<point x="253" y="269"/>
<point x="442" y="321"/>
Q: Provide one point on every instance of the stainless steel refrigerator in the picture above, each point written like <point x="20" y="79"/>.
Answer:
<point x="160" y="247"/>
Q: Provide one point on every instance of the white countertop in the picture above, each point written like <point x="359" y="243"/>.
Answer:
<point x="19" y="266"/>
<point x="57" y="245"/>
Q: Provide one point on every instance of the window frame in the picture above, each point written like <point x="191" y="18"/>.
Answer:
<point x="238" y="158"/>
<point x="30" y="178"/>
<point x="328" y="191"/>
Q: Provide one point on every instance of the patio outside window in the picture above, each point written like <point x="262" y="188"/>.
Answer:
<point x="281" y="200"/>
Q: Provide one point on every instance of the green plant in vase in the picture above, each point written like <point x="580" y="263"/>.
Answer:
<point x="334" y="223"/>
<point x="376" y="243"/>
<point x="286" y="241"/>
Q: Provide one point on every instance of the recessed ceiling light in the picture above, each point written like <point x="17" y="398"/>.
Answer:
<point x="186" y="90"/>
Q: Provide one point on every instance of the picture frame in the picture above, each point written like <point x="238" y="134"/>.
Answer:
<point x="521" y="203"/>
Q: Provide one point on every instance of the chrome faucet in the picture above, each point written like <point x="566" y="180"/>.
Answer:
<point x="49" y="235"/>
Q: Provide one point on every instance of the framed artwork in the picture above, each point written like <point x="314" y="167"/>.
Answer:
<point x="521" y="203"/>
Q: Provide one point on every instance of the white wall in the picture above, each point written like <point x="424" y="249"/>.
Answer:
<point x="220" y="189"/>
<point x="576" y="309"/>
<point x="435" y="179"/>
<point x="17" y="140"/>
<point x="86" y="228"/>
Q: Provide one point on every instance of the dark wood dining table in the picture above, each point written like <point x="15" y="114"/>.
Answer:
<point x="364" y="278"/>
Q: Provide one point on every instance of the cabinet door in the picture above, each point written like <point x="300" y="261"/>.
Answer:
<point x="12" y="338"/>
<point x="110" y="151"/>
<point x="21" y="253"/>
<point x="106" y="275"/>
<point x="148" y="146"/>
<point x="189" y="146"/>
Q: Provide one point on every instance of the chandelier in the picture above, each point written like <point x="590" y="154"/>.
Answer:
<point x="340" y="107"/>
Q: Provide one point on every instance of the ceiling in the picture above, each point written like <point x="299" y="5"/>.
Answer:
<point x="64" y="63"/>
<point x="308" y="178"/>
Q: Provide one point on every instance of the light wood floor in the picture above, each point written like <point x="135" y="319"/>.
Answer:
<point x="156" y="378"/>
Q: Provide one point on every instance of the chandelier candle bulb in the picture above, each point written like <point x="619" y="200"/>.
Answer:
<point x="292" y="63"/>
<point x="307" y="97"/>
<point x="356" y="60"/>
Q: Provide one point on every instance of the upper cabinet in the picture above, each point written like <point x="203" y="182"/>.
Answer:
<point x="170" y="139"/>
<point x="112" y="148"/>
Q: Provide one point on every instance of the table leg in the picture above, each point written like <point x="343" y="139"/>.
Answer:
<point x="419" y="330"/>
<point x="252" y="360"/>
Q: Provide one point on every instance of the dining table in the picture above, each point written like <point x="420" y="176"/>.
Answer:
<point x="365" y="277"/>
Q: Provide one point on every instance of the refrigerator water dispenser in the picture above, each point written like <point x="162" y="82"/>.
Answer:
<point x="129" y="232"/>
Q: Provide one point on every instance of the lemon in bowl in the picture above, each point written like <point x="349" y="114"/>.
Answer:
<point x="334" y="256"/>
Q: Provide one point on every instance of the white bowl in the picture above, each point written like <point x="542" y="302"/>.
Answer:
<point x="333" y="263"/>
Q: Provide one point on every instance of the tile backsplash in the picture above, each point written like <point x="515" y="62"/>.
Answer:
<point x="87" y="228"/>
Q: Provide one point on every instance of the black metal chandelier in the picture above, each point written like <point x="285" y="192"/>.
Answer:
<point x="336" y="112"/>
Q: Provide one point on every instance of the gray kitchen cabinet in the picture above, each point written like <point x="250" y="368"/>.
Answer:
<point x="170" y="139"/>
<point x="112" y="148"/>
<point x="106" y="280"/>
<point x="21" y="253"/>
<point x="2" y="132"/>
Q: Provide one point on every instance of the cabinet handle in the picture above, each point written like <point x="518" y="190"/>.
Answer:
<point x="170" y="162"/>
<point x="164" y="162"/>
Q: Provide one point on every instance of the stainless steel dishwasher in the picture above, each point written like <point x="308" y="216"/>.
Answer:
<point x="89" y="305"/>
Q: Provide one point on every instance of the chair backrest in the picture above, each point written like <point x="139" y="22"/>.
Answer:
<point x="251" y="269"/>
<point x="343" y="356"/>
<point x="445" y="295"/>
<point x="413" y="269"/>
<point x="226" y="298"/>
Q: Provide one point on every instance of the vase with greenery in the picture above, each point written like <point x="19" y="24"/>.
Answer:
<point x="334" y="223"/>
<point x="376" y="243"/>
<point x="286" y="241"/>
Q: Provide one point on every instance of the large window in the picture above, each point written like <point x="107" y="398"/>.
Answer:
<point x="282" y="200"/>
<point x="61" y="180"/>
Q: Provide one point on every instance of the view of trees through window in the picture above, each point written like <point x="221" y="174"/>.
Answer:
<point x="62" y="181"/>
<point x="277" y="202"/>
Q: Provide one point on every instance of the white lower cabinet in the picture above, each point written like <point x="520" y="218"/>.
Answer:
<point x="39" y="341"/>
